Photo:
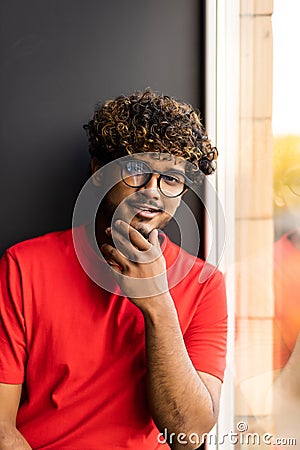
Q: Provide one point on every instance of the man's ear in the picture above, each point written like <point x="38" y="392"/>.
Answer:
<point x="95" y="166"/>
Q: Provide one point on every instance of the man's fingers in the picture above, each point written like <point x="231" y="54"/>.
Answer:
<point x="114" y="258"/>
<point x="134" y="235"/>
<point x="124" y="245"/>
<point x="153" y="238"/>
<point x="131" y="246"/>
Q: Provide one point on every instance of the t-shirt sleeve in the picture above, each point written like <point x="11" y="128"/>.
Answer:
<point x="12" y="326"/>
<point x="206" y="336"/>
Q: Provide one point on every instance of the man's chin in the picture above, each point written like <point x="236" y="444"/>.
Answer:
<point x="143" y="229"/>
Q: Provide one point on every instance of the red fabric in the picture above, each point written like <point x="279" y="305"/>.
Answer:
<point x="80" y="350"/>
<point x="287" y="300"/>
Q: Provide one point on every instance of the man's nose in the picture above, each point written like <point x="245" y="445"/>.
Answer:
<point x="151" y="187"/>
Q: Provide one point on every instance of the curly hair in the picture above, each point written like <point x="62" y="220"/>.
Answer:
<point x="148" y="122"/>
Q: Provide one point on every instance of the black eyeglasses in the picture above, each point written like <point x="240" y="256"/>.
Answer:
<point x="293" y="182"/>
<point x="136" y="173"/>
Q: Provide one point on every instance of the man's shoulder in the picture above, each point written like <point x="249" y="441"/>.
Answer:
<point x="190" y="266"/>
<point x="43" y="245"/>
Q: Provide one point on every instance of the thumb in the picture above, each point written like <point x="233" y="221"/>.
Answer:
<point x="153" y="237"/>
<point x="114" y="266"/>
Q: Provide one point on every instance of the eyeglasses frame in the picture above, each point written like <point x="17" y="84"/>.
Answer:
<point x="152" y="172"/>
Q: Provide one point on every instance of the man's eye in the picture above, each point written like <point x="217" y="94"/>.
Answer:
<point x="170" y="179"/>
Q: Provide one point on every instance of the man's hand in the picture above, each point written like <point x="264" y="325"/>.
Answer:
<point x="137" y="263"/>
<point x="181" y="399"/>
<point x="10" y="438"/>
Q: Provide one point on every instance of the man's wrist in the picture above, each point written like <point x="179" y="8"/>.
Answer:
<point x="158" y="309"/>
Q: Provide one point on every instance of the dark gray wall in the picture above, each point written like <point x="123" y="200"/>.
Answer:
<point x="58" y="59"/>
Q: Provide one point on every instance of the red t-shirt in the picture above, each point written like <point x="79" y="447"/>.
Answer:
<point x="80" y="350"/>
<point x="287" y="300"/>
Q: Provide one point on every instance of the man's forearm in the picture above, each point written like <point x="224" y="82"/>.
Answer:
<point x="11" y="438"/>
<point x="179" y="400"/>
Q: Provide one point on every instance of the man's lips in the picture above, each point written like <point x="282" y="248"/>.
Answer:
<point x="145" y="211"/>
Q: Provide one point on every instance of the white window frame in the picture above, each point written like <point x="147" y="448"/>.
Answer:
<point x="222" y="123"/>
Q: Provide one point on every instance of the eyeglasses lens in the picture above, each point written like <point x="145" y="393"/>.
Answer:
<point x="172" y="184"/>
<point x="138" y="173"/>
<point x="135" y="173"/>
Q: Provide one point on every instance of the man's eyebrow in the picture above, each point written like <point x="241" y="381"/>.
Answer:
<point x="173" y="170"/>
<point x="175" y="163"/>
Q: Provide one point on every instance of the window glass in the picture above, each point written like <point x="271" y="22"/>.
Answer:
<point x="286" y="165"/>
<point x="267" y="256"/>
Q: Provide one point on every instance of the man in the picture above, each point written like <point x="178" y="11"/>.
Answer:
<point x="83" y="367"/>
